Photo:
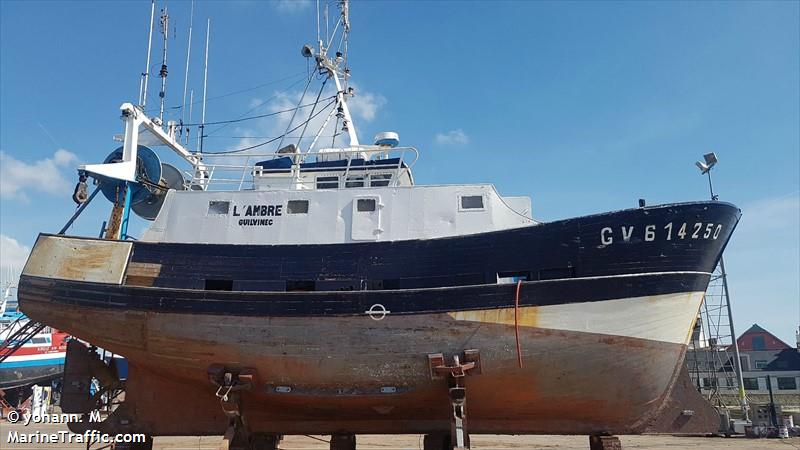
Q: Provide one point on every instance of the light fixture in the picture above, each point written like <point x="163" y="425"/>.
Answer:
<point x="710" y="161"/>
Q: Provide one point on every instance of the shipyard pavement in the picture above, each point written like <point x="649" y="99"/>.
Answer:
<point x="414" y="442"/>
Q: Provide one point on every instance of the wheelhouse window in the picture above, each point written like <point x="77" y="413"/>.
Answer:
<point x="380" y="179"/>
<point x="365" y="205"/>
<point x="327" y="182"/>
<point x="297" y="207"/>
<point x="355" y="181"/>
<point x="216" y="207"/>
<point x="472" y="202"/>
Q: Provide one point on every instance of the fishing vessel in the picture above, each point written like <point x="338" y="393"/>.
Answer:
<point x="317" y="289"/>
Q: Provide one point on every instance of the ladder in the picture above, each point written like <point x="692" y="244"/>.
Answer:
<point x="18" y="338"/>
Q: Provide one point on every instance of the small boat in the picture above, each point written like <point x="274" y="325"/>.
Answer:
<point x="38" y="360"/>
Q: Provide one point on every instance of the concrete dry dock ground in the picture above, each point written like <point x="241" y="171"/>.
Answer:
<point x="414" y="442"/>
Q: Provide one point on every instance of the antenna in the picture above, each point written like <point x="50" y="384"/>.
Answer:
<point x="191" y="102"/>
<point x="186" y="74"/>
<point x="336" y="68"/>
<point x="205" y="88"/>
<point x="146" y="73"/>
<point x="163" y="72"/>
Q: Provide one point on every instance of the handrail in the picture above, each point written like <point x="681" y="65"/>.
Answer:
<point x="229" y="173"/>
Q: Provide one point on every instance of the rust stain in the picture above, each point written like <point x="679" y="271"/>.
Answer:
<point x="78" y="259"/>
<point x="572" y="382"/>
<point x="528" y="316"/>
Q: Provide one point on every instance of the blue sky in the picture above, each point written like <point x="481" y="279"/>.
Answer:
<point x="585" y="106"/>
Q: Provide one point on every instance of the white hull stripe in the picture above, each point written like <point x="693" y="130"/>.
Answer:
<point x="665" y="318"/>
<point x="36" y="357"/>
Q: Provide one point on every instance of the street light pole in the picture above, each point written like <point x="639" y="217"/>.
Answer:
<point x="711" y="160"/>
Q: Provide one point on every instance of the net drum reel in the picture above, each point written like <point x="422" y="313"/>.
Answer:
<point x="171" y="178"/>
<point x="153" y="177"/>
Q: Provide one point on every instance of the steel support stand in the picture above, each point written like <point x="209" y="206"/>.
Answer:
<point x="456" y="393"/>
<point x="230" y="385"/>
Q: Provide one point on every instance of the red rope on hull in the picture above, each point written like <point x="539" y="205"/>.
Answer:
<point x="516" y="323"/>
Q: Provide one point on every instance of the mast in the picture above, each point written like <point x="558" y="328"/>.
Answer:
<point x="163" y="72"/>
<point x="146" y="73"/>
<point x="336" y="68"/>
<point x="205" y="88"/>
<point x="186" y="73"/>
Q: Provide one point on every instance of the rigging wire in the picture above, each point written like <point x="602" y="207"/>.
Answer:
<point x="335" y="132"/>
<point x="259" y="105"/>
<point x="262" y="137"/>
<point x="241" y="91"/>
<point x="260" y="116"/>
<point x="319" y="94"/>
<point x="227" y="152"/>
<point x="302" y="97"/>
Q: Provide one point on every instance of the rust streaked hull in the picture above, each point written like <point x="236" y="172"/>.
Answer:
<point x="571" y="382"/>
<point x="603" y="324"/>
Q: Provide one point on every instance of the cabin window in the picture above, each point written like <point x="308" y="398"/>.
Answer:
<point x="474" y="202"/>
<point x="218" y="207"/>
<point x="380" y="179"/>
<point x="38" y="340"/>
<point x="219" y="285"/>
<point x="327" y="182"/>
<point x="365" y="205"/>
<point x="297" y="207"/>
<point x="353" y="182"/>
<point x="787" y="383"/>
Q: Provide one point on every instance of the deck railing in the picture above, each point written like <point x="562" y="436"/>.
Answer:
<point x="237" y="172"/>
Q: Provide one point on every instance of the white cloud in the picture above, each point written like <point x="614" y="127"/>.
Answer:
<point x="12" y="255"/>
<point x="292" y="6"/>
<point x="45" y="175"/>
<point x="365" y="105"/>
<point x="452" y="137"/>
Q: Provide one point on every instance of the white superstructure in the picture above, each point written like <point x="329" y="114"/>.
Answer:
<point x="303" y="193"/>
